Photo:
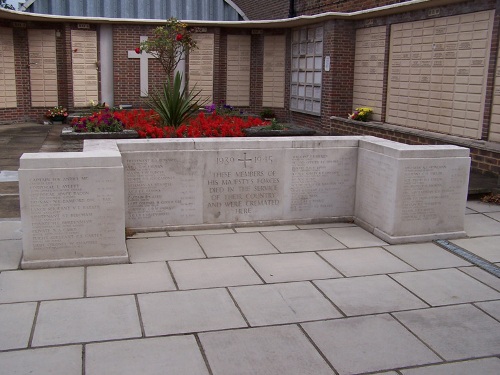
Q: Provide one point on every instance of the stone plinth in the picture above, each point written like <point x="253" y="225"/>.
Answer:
<point x="72" y="209"/>
<point x="411" y="193"/>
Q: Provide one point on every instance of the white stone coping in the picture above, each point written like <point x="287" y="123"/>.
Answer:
<point x="101" y="158"/>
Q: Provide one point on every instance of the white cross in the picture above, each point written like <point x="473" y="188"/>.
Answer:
<point x="144" y="65"/>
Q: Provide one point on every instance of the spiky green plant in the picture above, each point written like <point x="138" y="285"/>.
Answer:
<point x="175" y="103"/>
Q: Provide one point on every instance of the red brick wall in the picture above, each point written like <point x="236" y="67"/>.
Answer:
<point x="484" y="161"/>
<point x="126" y="72"/>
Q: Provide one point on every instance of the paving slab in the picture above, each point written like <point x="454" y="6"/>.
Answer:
<point x="369" y="295"/>
<point x="486" y="247"/>
<point x="211" y="273"/>
<point x="65" y="360"/>
<point x="278" y="268"/>
<point x="485" y="366"/>
<point x="282" y="303"/>
<point x="455" y="332"/>
<point x="10" y="230"/>
<point x="492" y="308"/>
<point x="9" y="176"/>
<point x="263" y="351"/>
<point x="199" y="232"/>
<point x="272" y="228"/>
<point x="302" y="240"/>
<point x="11" y="252"/>
<point x="148" y="235"/>
<point x="188" y="311"/>
<point x="38" y="285"/>
<point x="236" y="244"/>
<point x="365" y="261"/>
<point x="325" y="225"/>
<point x="479" y="206"/>
<point x="86" y="320"/>
<point x="163" y="248"/>
<point x="355" y="237"/>
<point x="369" y="343"/>
<point x="468" y="211"/>
<point x="483" y="276"/>
<point x="425" y="256"/>
<point x="128" y="279"/>
<point x="163" y="355"/>
<point x="16" y="321"/>
<point x="494" y="215"/>
<point x="481" y="225"/>
<point x="445" y="287"/>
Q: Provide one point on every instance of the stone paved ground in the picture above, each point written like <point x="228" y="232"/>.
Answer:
<point x="306" y="299"/>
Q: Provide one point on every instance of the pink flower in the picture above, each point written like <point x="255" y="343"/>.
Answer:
<point x="178" y="37"/>
<point x="138" y="50"/>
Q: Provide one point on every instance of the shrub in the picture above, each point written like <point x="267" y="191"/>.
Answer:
<point x="174" y="104"/>
<point x="99" y="122"/>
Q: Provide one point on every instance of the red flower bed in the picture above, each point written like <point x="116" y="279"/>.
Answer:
<point x="147" y="125"/>
<point x="213" y="125"/>
<point x="145" y="122"/>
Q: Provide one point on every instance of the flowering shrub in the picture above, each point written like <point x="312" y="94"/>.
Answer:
<point x="99" y="122"/>
<point x="214" y="125"/>
<point x="145" y="122"/>
<point x="168" y="44"/>
<point x="222" y="109"/>
<point x="56" y="112"/>
<point x="361" y="114"/>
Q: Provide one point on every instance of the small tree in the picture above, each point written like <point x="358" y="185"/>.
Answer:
<point x="174" y="104"/>
<point x="169" y="43"/>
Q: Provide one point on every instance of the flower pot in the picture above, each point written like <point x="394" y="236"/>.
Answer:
<point x="59" y="119"/>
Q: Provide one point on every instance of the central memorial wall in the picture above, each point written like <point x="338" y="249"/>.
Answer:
<point x="75" y="206"/>
<point x="215" y="185"/>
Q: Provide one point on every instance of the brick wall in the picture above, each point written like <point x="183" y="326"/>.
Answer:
<point x="484" y="160"/>
<point x="126" y="72"/>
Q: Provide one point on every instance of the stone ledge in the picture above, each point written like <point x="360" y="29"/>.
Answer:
<point x="445" y="138"/>
<point x="68" y="134"/>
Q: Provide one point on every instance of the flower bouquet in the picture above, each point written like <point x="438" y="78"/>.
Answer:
<point x="57" y="113"/>
<point x="361" y="114"/>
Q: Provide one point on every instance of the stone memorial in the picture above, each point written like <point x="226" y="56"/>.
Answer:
<point x="75" y="206"/>
<point x="71" y="212"/>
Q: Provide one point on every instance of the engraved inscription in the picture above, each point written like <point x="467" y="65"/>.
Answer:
<point x="161" y="189"/>
<point x="244" y="185"/>
<point x="61" y="206"/>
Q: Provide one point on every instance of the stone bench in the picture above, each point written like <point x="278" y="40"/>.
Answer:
<point x="75" y="206"/>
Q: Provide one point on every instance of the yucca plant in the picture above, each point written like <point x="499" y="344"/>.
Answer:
<point x="174" y="103"/>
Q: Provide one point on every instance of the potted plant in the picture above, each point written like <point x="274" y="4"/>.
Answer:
<point x="57" y="114"/>
<point x="267" y="114"/>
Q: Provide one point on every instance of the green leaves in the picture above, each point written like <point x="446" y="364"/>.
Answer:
<point x="174" y="103"/>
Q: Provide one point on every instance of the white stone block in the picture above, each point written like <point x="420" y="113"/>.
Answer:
<point x="407" y="193"/>
<point x="72" y="209"/>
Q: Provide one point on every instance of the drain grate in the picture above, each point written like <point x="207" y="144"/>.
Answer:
<point x="467" y="255"/>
